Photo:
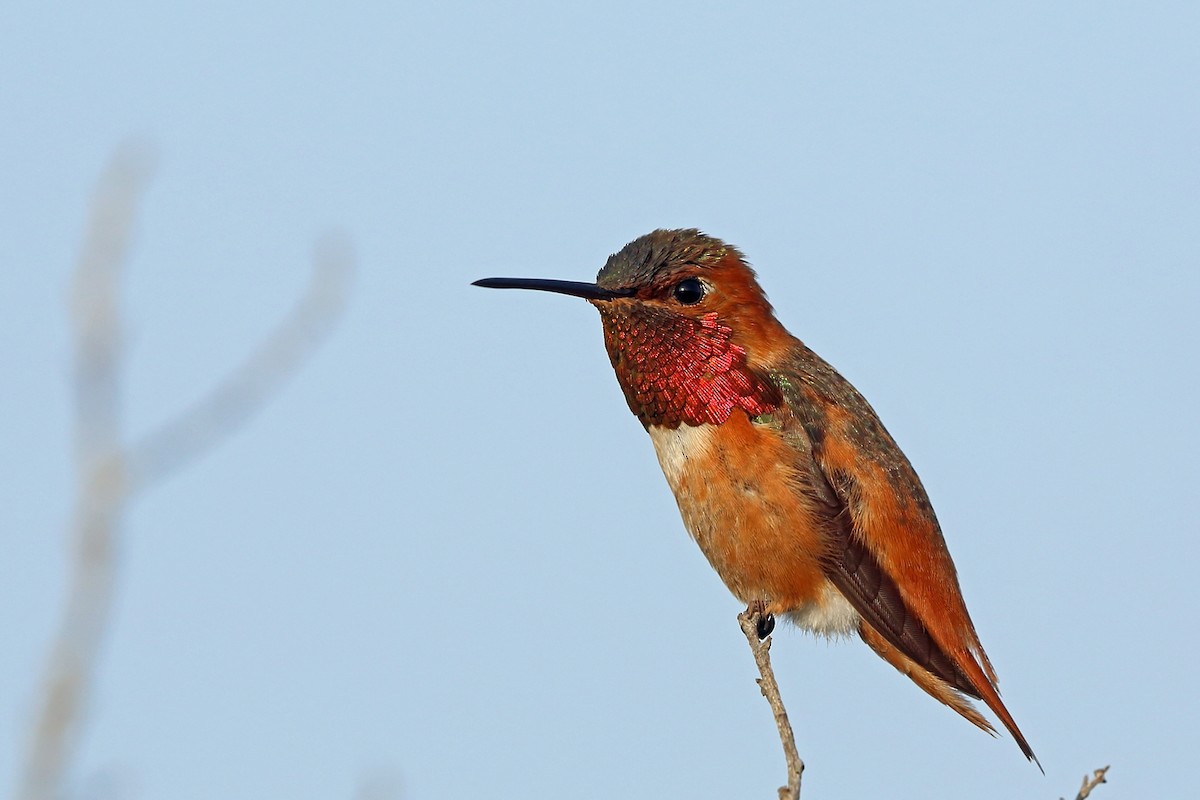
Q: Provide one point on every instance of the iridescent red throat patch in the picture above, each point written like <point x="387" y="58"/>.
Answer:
<point x="675" y="369"/>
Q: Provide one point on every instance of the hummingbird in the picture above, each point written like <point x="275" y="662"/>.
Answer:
<point x="784" y="475"/>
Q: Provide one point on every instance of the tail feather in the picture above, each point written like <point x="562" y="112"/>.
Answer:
<point x="981" y="678"/>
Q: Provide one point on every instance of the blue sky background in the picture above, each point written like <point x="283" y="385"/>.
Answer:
<point x="446" y="559"/>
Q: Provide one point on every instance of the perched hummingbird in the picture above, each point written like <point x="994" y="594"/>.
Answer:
<point x="784" y="475"/>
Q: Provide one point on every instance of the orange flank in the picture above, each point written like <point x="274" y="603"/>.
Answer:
<point x="735" y="489"/>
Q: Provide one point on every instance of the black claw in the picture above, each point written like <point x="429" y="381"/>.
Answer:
<point x="766" y="624"/>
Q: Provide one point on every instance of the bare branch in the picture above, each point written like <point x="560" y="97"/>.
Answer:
<point x="1088" y="784"/>
<point x="249" y="388"/>
<point x="750" y="621"/>
<point x="110" y="475"/>
<point x="68" y="675"/>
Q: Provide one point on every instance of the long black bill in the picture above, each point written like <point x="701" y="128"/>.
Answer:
<point x="588" y="291"/>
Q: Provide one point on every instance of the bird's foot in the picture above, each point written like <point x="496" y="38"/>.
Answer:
<point x="764" y="621"/>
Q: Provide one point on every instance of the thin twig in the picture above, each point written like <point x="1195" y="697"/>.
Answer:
<point x="70" y="668"/>
<point x="246" y="390"/>
<point x="749" y="622"/>
<point x="110" y="473"/>
<point x="1098" y="777"/>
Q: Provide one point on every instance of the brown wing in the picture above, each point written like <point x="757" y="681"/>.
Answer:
<point x="885" y="550"/>
<point x="850" y="566"/>
<point x="895" y="625"/>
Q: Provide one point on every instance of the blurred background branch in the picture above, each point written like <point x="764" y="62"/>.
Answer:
<point x="110" y="474"/>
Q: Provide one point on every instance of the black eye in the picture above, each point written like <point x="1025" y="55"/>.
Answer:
<point x="689" y="291"/>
